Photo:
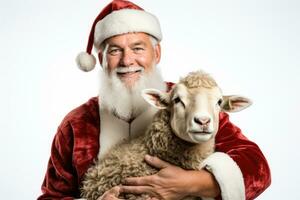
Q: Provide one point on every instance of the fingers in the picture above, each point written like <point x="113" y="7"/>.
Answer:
<point x="114" y="191"/>
<point x="108" y="197"/>
<point x="111" y="194"/>
<point x="153" y="198"/>
<point x="156" y="162"/>
<point x="137" y="189"/>
<point x="138" y="181"/>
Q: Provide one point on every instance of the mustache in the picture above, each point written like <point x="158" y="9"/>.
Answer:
<point x="128" y="69"/>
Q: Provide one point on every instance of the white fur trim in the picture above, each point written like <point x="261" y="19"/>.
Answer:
<point x="227" y="174"/>
<point x="86" y="62"/>
<point x="140" y="124"/>
<point x="126" y="21"/>
<point x="114" y="130"/>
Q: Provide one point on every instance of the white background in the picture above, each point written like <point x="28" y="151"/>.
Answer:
<point x="250" y="47"/>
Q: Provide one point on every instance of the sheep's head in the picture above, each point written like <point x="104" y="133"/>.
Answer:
<point x="194" y="104"/>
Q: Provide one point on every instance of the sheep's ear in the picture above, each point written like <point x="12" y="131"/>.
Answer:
<point x="234" y="103"/>
<point x="156" y="98"/>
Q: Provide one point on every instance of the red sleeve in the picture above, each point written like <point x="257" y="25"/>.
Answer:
<point x="246" y="154"/>
<point x="61" y="181"/>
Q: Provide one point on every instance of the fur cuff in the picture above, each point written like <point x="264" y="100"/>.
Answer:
<point x="228" y="175"/>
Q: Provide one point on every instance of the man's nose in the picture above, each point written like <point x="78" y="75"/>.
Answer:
<point x="127" y="59"/>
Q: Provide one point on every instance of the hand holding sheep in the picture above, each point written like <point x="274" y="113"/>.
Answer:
<point x="171" y="182"/>
<point x="166" y="184"/>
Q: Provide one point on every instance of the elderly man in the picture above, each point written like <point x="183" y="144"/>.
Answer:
<point x="127" y="39"/>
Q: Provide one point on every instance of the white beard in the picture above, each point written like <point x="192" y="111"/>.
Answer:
<point x="127" y="103"/>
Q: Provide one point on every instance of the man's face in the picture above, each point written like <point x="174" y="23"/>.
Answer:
<point x="131" y="55"/>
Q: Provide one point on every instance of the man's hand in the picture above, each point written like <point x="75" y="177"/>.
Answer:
<point x="166" y="184"/>
<point x="111" y="194"/>
<point x="172" y="182"/>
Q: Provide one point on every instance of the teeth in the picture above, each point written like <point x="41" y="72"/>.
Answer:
<point x="122" y="70"/>
<point x="129" y="72"/>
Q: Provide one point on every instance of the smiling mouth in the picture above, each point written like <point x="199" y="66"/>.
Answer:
<point x="128" y="73"/>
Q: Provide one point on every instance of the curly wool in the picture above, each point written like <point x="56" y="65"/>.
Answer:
<point x="127" y="158"/>
<point x="198" y="79"/>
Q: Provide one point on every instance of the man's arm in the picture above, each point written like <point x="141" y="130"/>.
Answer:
<point x="60" y="181"/>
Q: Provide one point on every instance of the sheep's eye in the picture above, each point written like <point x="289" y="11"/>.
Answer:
<point x="177" y="100"/>
<point x="220" y="101"/>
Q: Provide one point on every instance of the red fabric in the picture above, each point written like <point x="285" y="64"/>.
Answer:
<point x="248" y="156"/>
<point x="76" y="145"/>
<point x="112" y="6"/>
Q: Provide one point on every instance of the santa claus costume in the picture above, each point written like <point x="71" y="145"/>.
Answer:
<point x="238" y="164"/>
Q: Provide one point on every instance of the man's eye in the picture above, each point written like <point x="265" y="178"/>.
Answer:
<point x="138" y="49"/>
<point x="114" y="51"/>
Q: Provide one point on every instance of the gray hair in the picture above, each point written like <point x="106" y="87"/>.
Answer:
<point x="153" y="40"/>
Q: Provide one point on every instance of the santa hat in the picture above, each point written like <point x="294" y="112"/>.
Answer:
<point x="118" y="17"/>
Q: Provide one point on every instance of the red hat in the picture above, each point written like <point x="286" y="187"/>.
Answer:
<point x="117" y="18"/>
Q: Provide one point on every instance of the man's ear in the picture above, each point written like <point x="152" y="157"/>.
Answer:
<point x="157" y="50"/>
<point x="234" y="103"/>
<point x="156" y="98"/>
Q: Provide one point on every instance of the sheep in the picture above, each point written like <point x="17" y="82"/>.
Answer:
<point x="182" y="133"/>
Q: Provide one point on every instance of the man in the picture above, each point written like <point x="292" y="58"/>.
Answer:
<point x="127" y="39"/>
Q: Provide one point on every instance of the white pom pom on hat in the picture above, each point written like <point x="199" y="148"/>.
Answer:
<point x="86" y="62"/>
<point x="118" y="17"/>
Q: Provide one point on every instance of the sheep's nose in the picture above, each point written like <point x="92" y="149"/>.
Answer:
<point x="202" y="120"/>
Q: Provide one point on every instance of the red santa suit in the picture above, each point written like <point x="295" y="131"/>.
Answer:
<point x="88" y="131"/>
<point x="238" y="164"/>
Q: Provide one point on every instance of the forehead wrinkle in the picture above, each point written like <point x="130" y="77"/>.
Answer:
<point x="113" y="46"/>
<point x="136" y="43"/>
